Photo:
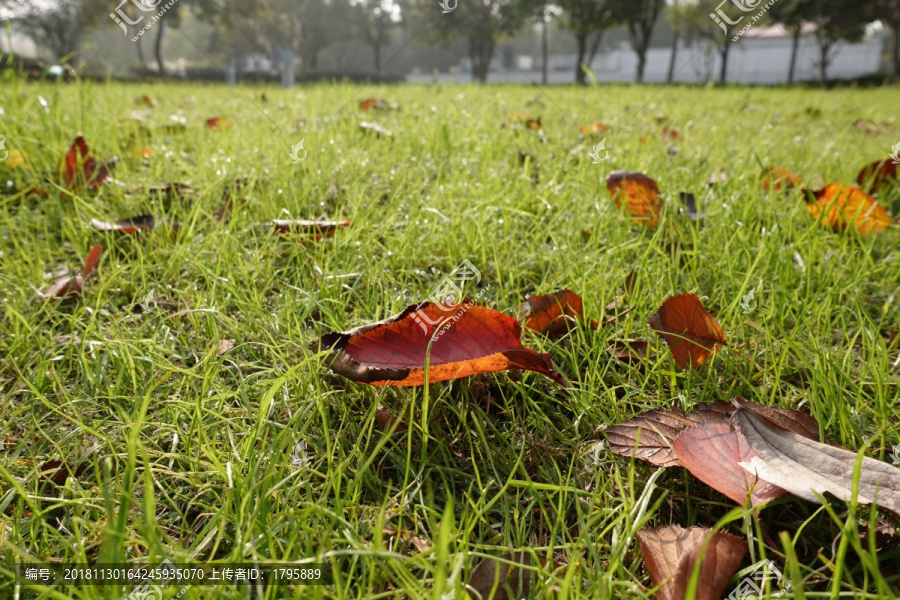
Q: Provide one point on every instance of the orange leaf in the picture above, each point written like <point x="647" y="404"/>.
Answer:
<point x="777" y="178"/>
<point x="71" y="286"/>
<point x="468" y="339"/>
<point x="671" y="553"/>
<point x="691" y="332"/>
<point x="595" y="128"/>
<point x="534" y="124"/>
<point x="637" y="195"/>
<point x="218" y="123"/>
<point x="554" y="314"/>
<point x="882" y="174"/>
<point x="838" y="205"/>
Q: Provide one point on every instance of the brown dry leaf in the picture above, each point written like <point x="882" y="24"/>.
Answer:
<point x="506" y="581"/>
<point x="418" y="543"/>
<point x="134" y="224"/>
<point x="594" y="129"/>
<point x="315" y="230"/>
<point x="712" y="453"/>
<point x="468" y="339"/>
<point x="637" y="195"/>
<point x="798" y="422"/>
<point x="650" y="436"/>
<point x="375" y="128"/>
<point x="881" y="174"/>
<point x="629" y="350"/>
<point x="383" y="417"/>
<point x="839" y="205"/>
<point x="691" y="332"/>
<point x="807" y="468"/>
<point x="671" y="553"/>
<point x="71" y="286"/>
<point x="554" y="314"/>
<point x="224" y="346"/>
<point x="690" y="206"/>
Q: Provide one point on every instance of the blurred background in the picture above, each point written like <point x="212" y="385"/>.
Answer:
<point x="583" y="41"/>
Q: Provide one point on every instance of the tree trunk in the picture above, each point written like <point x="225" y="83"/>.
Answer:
<point x="377" y="48"/>
<point x="480" y="51"/>
<point x="723" y="74"/>
<point x="158" y="49"/>
<point x="895" y="52"/>
<point x="581" y="42"/>
<point x="670" y="75"/>
<point x="794" y="49"/>
<point x="594" y="47"/>
<point x="642" y="62"/>
<point x="140" y="52"/>
<point x="824" y="46"/>
<point x="545" y="52"/>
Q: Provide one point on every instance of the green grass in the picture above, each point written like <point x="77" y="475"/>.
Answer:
<point x="491" y="464"/>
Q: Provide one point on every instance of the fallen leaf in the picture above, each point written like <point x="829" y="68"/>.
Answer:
<point x="56" y="472"/>
<point x="218" y="123"/>
<point x="224" y="346"/>
<point x="881" y="174"/>
<point x="808" y="469"/>
<point x="472" y="339"/>
<point x="712" y="453"/>
<point x="628" y="350"/>
<point x="534" y="124"/>
<point x="718" y="176"/>
<point x="316" y="230"/>
<point x="418" y="543"/>
<point x="651" y="435"/>
<point x="798" y="422"/>
<point x="670" y="134"/>
<point x="594" y="129"/>
<point x="777" y="179"/>
<point x="376" y="104"/>
<point x="383" y="417"/>
<point x="690" y="206"/>
<point x="375" y="128"/>
<point x="672" y="552"/>
<point x="91" y="174"/>
<point x="637" y="195"/>
<point x="145" y="100"/>
<point x="71" y="286"/>
<point x="132" y="225"/>
<point x="691" y="333"/>
<point x="554" y="314"/>
<point x="503" y="576"/>
<point x="839" y="205"/>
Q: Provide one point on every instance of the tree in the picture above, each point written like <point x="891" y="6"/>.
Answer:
<point x="888" y="12"/>
<point x="587" y="20"/>
<point x="482" y="24"/>
<point x="374" y="19"/>
<point x="57" y="26"/>
<point x="691" y="20"/>
<point x="639" y="16"/>
<point x="835" y="21"/>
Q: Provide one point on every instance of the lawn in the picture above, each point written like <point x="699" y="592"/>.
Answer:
<point x="193" y="422"/>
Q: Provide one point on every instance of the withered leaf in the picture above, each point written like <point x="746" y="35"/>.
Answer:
<point x="839" y="206"/>
<point x="314" y="229"/>
<point x="554" y="314"/>
<point x="798" y="422"/>
<point x="637" y="195"/>
<point x="805" y="467"/>
<point x="468" y="339"/>
<point x="655" y="432"/>
<point x="71" y="286"/>
<point x="881" y="174"/>
<point x="628" y="350"/>
<point x="671" y="553"/>
<point x="778" y="178"/>
<point x="504" y="580"/>
<point x="690" y="206"/>
<point x="691" y="333"/>
<point x="91" y="174"/>
<point x="712" y="453"/>
<point x="132" y="225"/>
